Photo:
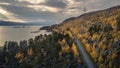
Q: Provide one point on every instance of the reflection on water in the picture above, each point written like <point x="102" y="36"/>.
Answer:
<point x="17" y="34"/>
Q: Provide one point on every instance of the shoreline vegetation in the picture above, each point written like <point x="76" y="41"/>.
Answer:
<point x="99" y="32"/>
<point x="53" y="50"/>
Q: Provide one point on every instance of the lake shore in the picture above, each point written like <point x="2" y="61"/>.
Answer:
<point x="17" y="34"/>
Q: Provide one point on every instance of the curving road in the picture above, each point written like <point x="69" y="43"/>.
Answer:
<point x="82" y="50"/>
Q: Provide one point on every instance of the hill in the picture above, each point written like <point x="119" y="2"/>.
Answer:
<point x="99" y="32"/>
<point x="104" y="16"/>
<point x="99" y="35"/>
<point x="9" y="23"/>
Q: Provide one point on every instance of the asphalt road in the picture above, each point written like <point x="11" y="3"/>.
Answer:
<point x="82" y="50"/>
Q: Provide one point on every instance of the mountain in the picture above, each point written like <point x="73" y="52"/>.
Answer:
<point x="99" y="32"/>
<point x="9" y="23"/>
<point x="104" y="16"/>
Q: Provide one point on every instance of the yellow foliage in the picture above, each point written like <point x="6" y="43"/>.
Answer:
<point x="84" y="41"/>
<point x="70" y="34"/>
<point x="86" y="35"/>
<point x="104" y="47"/>
<point x="100" y="44"/>
<point x="66" y="49"/>
<point x="114" y="55"/>
<point x="114" y="35"/>
<point x="100" y="59"/>
<point x="94" y="37"/>
<point x="115" y="39"/>
<point x="19" y="55"/>
<point x="94" y="53"/>
<point x="118" y="32"/>
<point x="79" y="35"/>
<point x="30" y="51"/>
<point x="64" y="40"/>
<point x="74" y="49"/>
<point x="88" y="48"/>
<point x="104" y="39"/>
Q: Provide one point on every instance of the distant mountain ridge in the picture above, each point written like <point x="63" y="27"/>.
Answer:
<point x="9" y="23"/>
<point x="94" y="16"/>
<point x="101" y="16"/>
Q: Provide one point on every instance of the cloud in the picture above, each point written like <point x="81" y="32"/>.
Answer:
<point x="5" y="15"/>
<point x="50" y="3"/>
<point x="32" y="1"/>
<point x="44" y="8"/>
<point x="49" y="11"/>
<point x="77" y="6"/>
<point x="55" y="3"/>
<point x="29" y="14"/>
<point x="46" y="5"/>
<point x="38" y="5"/>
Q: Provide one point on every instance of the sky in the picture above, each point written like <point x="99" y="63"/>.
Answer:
<point x="49" y="11"/>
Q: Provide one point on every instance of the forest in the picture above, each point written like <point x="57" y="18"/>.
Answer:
<point x="99" y="33"/>
<point x="44" y="51"/>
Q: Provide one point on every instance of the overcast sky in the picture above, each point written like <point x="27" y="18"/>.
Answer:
<point x="49" y="11"/>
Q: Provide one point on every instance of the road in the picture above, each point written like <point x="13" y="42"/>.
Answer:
<point x="82" y="50"/>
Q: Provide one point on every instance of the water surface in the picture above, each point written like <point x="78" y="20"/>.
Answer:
<point x="18" y="33"/>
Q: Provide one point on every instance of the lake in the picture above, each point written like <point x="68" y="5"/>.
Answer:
<point x="18" y="33"/>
